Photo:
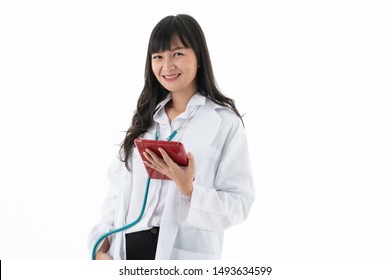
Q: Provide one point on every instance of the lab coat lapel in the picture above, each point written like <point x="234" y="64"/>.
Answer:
<point x="201" y="131"/>
<point x="197" y="138"/>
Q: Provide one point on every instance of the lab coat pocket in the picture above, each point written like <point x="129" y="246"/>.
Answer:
<point x="178" y="254"/>
<point x="195" y="244"/>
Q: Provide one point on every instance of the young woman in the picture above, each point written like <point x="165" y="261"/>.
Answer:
<point x="184" y="217"/>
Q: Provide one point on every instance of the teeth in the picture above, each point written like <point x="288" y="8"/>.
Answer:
<point x="171" y="77"/>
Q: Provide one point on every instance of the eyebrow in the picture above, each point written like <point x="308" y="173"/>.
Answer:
<point x="172" y="50"/>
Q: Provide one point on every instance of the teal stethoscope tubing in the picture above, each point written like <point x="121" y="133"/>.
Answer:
<point x="140" y="214"/>
<point x="126" y="226"/>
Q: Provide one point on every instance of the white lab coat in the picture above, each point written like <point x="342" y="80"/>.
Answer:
<point x="222" y="195"/>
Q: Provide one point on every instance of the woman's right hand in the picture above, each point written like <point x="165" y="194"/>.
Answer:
<point x="103" y="256"/>
<point x="102" y="253"/>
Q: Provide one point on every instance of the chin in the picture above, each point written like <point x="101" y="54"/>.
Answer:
<point x="170" y="88"/>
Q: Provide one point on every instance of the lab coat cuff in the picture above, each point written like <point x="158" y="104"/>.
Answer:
<point x="185" y="197"/>
<point x="96" y="233"/>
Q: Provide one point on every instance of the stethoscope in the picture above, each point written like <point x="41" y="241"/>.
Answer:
<point x="136" y="221"/>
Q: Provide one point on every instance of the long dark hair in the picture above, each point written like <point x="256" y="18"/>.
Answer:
<point x="187" y="29"/>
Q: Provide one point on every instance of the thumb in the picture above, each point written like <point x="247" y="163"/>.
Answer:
<point x="191" y="160"/>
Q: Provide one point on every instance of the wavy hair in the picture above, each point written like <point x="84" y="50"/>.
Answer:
<point x="189" y="32"/>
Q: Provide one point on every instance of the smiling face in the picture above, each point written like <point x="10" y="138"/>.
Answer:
<point x="176" y="68"/>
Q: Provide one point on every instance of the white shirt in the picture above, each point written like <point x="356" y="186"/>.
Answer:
<point x="155" y="208"/>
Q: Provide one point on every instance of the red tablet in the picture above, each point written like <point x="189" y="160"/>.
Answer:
<point x="174" y="149"/>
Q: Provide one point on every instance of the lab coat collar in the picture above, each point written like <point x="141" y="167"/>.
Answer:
<point x="196" y="100"/>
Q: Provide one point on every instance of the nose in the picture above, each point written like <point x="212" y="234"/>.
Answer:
<point x="168" y="64"/>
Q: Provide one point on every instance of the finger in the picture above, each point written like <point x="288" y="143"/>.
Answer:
<point x="154" y="158"/>
<point x="166" y="157"/>
<point x="151" y="154"/>
<point x="149" y="159"/>
<point x="155" y="167"/>
<point x="147" y="156"/>
<point x="151" y="163"/>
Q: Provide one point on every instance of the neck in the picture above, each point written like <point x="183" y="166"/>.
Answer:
<point x="178" y="104"/>
<point x="179" y="101"/>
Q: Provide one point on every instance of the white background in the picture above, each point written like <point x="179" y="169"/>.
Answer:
<point x="312" y="78"/>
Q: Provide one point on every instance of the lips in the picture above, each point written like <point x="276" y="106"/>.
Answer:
<point x="171" y="77"/>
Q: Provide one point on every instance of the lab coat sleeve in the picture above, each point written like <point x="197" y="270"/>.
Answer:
<point x="228" y="201"/>
<point x="108" y="209"/>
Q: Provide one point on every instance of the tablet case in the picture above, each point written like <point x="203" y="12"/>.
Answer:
<point x="174" y="149"/>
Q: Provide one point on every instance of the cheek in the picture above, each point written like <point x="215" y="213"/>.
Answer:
<point x="155" y="70"/>
<point x="194" y="69"/>
<point x="193" y="65"/>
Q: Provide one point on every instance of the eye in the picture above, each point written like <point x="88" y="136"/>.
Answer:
<point x="178" y="54"/>
<point x="156" y="57"/>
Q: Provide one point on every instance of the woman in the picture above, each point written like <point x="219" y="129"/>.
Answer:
<point x="184" y="217"/>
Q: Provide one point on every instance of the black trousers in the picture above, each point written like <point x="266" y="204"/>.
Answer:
<point x="142" y="245"/>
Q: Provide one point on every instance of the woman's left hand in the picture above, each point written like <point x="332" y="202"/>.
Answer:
<point x="183" y="176"/>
